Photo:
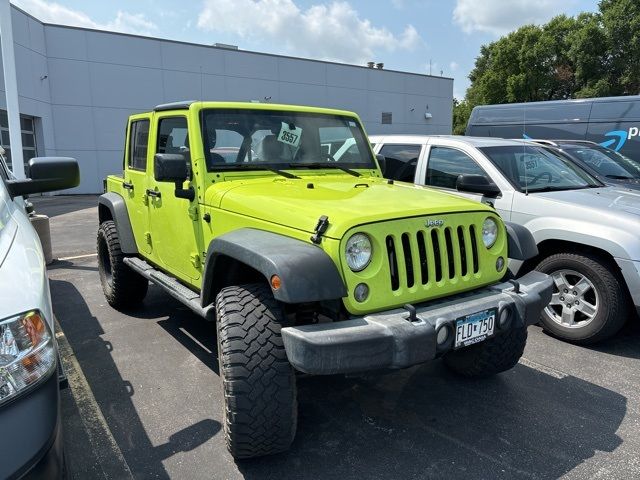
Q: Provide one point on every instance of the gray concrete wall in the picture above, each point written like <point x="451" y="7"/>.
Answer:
<point x="96" y="79"/>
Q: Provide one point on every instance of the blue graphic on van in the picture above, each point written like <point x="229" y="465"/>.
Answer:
<point x="621" y="137"/>
<point x="526" y="137"/>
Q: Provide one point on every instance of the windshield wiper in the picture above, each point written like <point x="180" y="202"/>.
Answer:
<point x="620" y="177"/>
<point x="325" y="165"/>
<point x="253" y="166"/>
<point x="562" y="189"/>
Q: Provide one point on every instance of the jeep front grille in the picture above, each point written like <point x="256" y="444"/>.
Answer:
<point x="435" y="255"/>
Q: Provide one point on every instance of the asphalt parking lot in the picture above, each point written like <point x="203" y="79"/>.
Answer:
<point x="145" y="400"/>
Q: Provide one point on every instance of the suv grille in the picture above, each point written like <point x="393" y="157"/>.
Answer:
<point x="435" y="255"/>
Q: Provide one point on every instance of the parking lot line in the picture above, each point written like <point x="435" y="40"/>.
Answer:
<point x="109" y="455"/>
<point x="78" y="256"/>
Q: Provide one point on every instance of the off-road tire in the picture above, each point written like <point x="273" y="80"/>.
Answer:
<point x="259" y="385"/>
<point x="490" y="357"/>
<point x="613" y="308"/>
<point x="122" y="287"/>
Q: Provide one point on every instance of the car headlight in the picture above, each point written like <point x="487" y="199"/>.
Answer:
<point x="489" y="232"/>
<point x="27" y="353"/>
<point x="358" y="252"/>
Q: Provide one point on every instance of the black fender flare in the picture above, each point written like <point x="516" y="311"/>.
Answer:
<point x="306" y="272"/>
<point x="521" y="244"/>
<point x="118" y="208"/>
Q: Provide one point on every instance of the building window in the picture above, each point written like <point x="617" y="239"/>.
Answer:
<point x="27" y="128"/>
<point x="386" y="118"/>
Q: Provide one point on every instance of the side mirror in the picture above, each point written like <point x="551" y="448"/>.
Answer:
<point x="170" y="167"/>
<point x="382" y="162"/>
<point x="477" y="184"/>
<point x="173" y="167"/>
<point x="47" y="174"/>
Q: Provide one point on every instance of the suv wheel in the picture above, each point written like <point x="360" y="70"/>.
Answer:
<point x="122" y="287"/>
<point x="589" y="302"/>
<point x="259" y="385"/>
<point x="490" y="357"/>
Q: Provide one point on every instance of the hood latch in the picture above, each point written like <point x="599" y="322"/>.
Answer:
<point x="321" y="227"/>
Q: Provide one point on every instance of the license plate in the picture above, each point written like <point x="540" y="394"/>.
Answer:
<point x="475" y="328"/>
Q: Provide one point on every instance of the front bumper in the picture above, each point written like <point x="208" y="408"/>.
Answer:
<point x="391" y="340"/>
<point x="31" y="440"/>
<point x="631" y="273"/>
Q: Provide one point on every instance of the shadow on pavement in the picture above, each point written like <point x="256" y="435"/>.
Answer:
<point x="113" y="393"/>
<point x="626" y="343"/>
<point x="427" y="423"/>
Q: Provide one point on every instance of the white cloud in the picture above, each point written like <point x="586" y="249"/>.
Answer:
<point x="498" y="17"/>
<point x="453" y="66"/>
<point x="51" y="12"/>
<point x="331" y="31"/>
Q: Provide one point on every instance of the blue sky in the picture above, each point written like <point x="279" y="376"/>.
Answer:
<point x="404" y="34"/>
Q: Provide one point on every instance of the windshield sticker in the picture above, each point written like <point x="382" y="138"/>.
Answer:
<point x="289" y="135"/>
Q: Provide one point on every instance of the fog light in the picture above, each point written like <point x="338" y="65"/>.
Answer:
<point x="361" y="292"/>
<point x="443" y="335"/>
<point x="505" y="317"/>
<point x="499" y="264"/>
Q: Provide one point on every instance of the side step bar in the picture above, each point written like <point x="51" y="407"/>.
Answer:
<point x="173" y="287"/>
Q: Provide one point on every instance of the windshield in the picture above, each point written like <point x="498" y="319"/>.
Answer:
<point x="607" y="162"/>
<point x="257" y="138"/>
<point x="533" y="169"/>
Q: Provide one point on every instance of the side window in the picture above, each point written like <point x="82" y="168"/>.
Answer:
<point x="138" y="143"/>
<point x="446" y="164"/>
<point x="401" y="161"/>
<point x="173" y="136"/>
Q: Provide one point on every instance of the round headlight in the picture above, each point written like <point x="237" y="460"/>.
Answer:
<point x="358" y="252"/>
<point x="489" y="232"/>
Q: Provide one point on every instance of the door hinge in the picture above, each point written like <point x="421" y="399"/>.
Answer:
<point x="193" y="213"/>
<point x="195" y="260"/>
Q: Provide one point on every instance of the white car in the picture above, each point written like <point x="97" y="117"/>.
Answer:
<point x="586" y="232"/>
<point x="30" y="438"/>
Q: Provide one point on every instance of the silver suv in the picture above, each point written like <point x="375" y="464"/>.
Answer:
<point x="587" y="233"/>
<point x="30" y="441"/>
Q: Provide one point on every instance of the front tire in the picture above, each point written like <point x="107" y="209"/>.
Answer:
<point x="490" y="357"/>
<point x="259" y="385"/>
<point x="589" y="302"/>
<point x="122" y="287"/>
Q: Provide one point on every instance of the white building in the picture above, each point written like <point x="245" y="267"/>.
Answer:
<point x="77" y="86"/>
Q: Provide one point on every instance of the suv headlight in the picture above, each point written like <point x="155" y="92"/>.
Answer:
<point x="358" y="252"/>
<point x="27" y="353"/>
<point x="489" y="232"/>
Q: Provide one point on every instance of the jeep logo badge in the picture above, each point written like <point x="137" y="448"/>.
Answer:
<point x="434" y="223"/>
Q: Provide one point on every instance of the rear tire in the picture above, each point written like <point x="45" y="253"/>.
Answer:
<point x="490" y="357"/>
<point x="122" y="287"/>
<point x="604" y="293"/>
<point x="259" y="384"/>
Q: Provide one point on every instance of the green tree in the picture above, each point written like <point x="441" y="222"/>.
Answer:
<point x="592" y="54"/>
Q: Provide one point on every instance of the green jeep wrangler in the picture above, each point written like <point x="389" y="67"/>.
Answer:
<point x="274" y="221"/>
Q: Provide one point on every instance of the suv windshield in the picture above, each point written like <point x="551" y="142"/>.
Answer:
<point x="606" y="162"/>
<point x="245" y="139"/>
<point x="534" y="169"/>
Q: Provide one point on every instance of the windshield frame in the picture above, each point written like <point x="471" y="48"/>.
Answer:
<point x="590" y="180"/>
<point x="358" y="133"/>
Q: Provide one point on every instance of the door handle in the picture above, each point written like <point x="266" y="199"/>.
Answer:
<point x="127" y="185"/>
<point x="154" y="193"/>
